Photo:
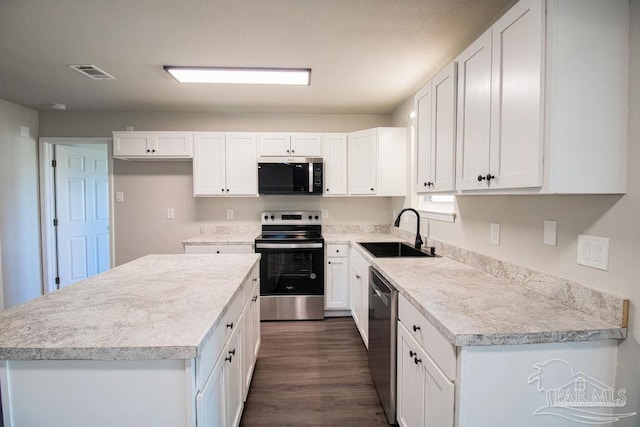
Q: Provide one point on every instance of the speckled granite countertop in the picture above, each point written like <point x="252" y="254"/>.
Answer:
<point x="156" y="307"/>
<point x="471" y="307"/>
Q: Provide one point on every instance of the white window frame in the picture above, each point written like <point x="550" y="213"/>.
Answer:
<point x="439" y="207"/>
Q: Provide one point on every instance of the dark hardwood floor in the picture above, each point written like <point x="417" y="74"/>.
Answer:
<point x="312" y="373"/>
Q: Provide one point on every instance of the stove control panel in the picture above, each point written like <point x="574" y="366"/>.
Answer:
<point x="292" y="218"/>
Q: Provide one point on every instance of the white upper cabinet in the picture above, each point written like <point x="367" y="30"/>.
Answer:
<point x="225" y="164"/>
<point x="152" y="145"/>
<point x="377" y="162"/>
<point x="290" y="144"/>
<point x="435" y="106"/>
<point x="363" y="162"/>
<point x="542" y="100"/>
<point x="334" y="155"/>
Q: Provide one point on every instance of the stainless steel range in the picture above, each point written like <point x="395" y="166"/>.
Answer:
<point x="292" y="266"/>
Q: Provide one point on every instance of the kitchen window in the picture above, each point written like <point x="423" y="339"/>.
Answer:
<point x="437" y="206"/>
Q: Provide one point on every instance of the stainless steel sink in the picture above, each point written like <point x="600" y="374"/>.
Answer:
<point x="393" y="250"/>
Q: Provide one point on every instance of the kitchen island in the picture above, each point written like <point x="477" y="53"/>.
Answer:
<point x="157" y="341"/>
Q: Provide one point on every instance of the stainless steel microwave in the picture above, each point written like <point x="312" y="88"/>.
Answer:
<point x="290" y="176"/>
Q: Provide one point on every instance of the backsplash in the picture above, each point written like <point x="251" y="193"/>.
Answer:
<point x="355" y="229"/>
<point x="607" y="307"/>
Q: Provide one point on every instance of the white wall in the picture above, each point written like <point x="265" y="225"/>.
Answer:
<point x="19" y="223"/>
<point x="149" y="188"/>
<point x="521" y="219"/>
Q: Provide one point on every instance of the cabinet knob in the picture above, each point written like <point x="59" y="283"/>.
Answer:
<point x="337" y="250"/>
<point x="254" y="280"/>
<point x="328" y="262"/>
<point x="227" y="190"/>
<point x="372" y="189"/>
<point x="255" y="298"/>
<point x="412" y="353"/>
<point x="416" y="328"/>
<point x="228" y="359"/>
<point x="153" y="151"/>
<point x="327" y="190"/>
<point x="230" y="325"/>
<point x="426" y="185"/>
<point x="217" y="252"/>
<point x="288" y="151"/>
<point x="480" y="178"/>
<point x="416" y="360"/>
<point x="293" y="151"/>
<point x="148" y="151"/>
<point x="232" y="352"/>
<point x="490" y="177"/>
<point x="358" y="277"/>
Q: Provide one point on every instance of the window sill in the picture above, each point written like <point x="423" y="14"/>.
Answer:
<point x="438" y="215"/>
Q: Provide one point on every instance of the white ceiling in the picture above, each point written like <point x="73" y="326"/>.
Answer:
<point x="366" y="56"/>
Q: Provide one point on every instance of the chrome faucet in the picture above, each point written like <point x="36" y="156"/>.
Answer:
<point x="419" y="241"/>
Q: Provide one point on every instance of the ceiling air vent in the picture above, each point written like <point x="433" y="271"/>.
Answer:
<point x="92" y="72"/>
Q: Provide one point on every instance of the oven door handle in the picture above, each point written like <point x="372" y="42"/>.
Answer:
<point x="289" y="245"/>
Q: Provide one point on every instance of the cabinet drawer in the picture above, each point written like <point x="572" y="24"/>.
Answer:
<point x="434" y="343"/>
<point x="337" y="250"/>
<point x="213" y="347"/>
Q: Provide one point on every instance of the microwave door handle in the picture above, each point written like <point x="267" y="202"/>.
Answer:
<point x="310" y="177"/>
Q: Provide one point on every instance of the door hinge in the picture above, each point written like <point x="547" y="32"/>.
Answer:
<point x="57" y="280"/>
<point x="54" y="163"/>
<point x="55" y="222"/>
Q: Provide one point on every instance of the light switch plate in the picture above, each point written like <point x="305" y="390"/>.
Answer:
<point x="119" y="197"/>
<point x="24" y="131"/>
<point x="593" y="252"/>
<point x="325" y="213"/>
<point x="230" y="213"/>
<point x="171" y="213"/>
<point x="494" y="234"/>
<point x="551" y="233"/>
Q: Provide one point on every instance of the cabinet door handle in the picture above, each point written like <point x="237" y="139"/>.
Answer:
<point x="416" y="328"/>
<point x="412" y="353"/>
<point x="232" y="352"/>
<point x="230" y="325"/>
<point x="416" y="360"/>
<point x="255" y="298"/>
<point x="228" y="359"/>
<point x="254" y="280"/>
<point x="358" y="277"/>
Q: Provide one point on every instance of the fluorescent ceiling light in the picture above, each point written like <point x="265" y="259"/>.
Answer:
<point x="265" y="76"/>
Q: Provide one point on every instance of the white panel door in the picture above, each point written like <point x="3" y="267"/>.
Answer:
<point x="474" y="114"/>
<point x="424" y="132"/>
<point x="410" y="382"/>
<point x="306" y="144"/>
<point x="211" y="401"/>
<point x="363" y="162"/>
<point x="334" y="154"/>
<point x="209" y="164"/>
<point x="242" y="164"/>
<point x="275" y="144"/>
<point x="337" y="292"/>
<point x="516" y="131"/>
<point x="443" y="130"/>
<point x="82" y="212"/>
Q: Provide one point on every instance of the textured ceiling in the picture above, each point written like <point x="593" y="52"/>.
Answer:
<point x="367" y="56"/>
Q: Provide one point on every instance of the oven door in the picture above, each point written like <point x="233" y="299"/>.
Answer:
<point x="291" y="268"/>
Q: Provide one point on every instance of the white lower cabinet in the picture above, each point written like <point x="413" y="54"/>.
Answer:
<point x="425" y="395"/>
<point x="251" y="332"/>
<point x="359" y="284"/>
<point x="337" y="278"/>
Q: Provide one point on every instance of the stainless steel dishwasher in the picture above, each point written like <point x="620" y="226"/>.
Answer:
<point x="383" y="318"/>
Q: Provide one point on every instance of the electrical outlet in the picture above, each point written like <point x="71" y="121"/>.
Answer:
<point x="325" y="213"/>
<point x="550" y="233"/>
<point x="119" y="197"/>
<point x="171" y="213"/>
<point x="593" y="252"/>
<point x="24" y="131"/>
<point x="494" y="236"/>
<point x="229" y="214"/>
<point x="129" y="128"/>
